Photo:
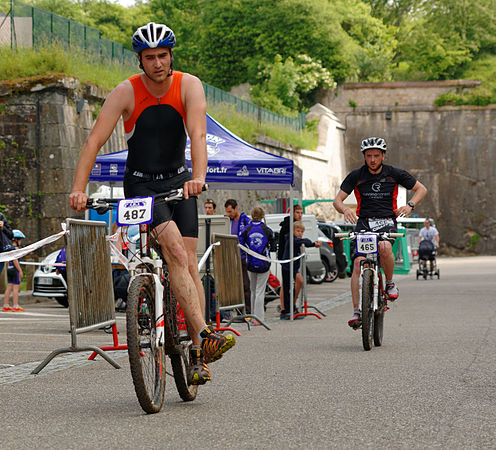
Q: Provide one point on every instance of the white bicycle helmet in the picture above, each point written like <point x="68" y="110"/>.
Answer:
<point x="153" y="35"/>
<point x="375" y="143"/>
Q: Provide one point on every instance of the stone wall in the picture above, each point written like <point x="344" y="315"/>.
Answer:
<point x="43" y="124"/>
<point x="452" y="150"/>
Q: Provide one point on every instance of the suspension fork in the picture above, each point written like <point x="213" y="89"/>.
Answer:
<point x="146" y="256"/>
<point x="368" y="264"/>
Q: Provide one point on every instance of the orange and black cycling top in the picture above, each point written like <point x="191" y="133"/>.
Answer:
<point x="155" y="132"/>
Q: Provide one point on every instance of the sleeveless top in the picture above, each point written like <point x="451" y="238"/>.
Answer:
<point x="155" y="132"/>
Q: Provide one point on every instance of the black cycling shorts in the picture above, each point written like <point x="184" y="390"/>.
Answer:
<point x="183" y="213"/>
<point x="375" y="225"/>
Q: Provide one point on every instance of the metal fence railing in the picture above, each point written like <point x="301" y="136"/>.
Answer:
<point x="215" y="95"/>
<point x="29" y="26"/>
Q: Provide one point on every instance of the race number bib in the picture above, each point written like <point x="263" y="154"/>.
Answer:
<point x="378" y="224"/>
<point x="366" y="243"/>
<point x="133" y="211"/>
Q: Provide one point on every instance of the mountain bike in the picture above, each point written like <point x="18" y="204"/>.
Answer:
<point x="155" y="323"/>
<point x="374" y="300"/>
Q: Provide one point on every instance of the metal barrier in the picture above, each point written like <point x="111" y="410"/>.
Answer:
<point x="90" y="287"/>
<point x="229" y="281"/>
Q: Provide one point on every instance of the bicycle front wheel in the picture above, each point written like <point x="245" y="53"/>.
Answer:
<point x="147" y="361"/>
<point x="367" y="308"/>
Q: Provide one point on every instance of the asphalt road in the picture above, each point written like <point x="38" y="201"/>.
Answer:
<point x="303" y="384"/>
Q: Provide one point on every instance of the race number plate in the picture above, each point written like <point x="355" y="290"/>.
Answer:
<point x="133" y="211"/>
<point x="366" y="243"/>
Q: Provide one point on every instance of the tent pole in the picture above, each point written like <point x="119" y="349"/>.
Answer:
<point x="291" y="252"/>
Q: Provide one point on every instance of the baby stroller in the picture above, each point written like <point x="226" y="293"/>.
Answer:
<point x="427" y="260"/>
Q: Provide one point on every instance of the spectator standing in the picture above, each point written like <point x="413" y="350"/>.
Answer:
<point x="210" y="207"/>
<point x="14" y="276"/>
<point x="257" y="236"/>
<point x="298" y="241"/>
<point x="6" y="236"/>
<point x="283" y="235"/>
<point x="428" y="243"/>
<point x="239" y="221"/>
<point x="429" y="233"/>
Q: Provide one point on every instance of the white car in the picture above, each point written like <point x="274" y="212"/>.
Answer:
<point x="48" y="282"/>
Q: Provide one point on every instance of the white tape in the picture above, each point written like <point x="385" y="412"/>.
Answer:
<point x="122" y="259"/>
<point x="16" y="254"/>
<point x="205" y="255"/>
<point x="30" y="263"/>
<point x="263" y="258"/>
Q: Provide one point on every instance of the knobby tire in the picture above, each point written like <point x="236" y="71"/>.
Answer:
<point x="147" y="362"/>
<point x="367" y="308"/>
<point x="179" y="360"/>
<point x="379" y="320"/>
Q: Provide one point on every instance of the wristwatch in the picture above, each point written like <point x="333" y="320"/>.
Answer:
<point x="411" y="205"/>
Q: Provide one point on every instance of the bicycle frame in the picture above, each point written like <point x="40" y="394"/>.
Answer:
<point x="140" y="266"/>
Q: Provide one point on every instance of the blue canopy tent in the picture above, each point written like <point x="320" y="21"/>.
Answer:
<point x="231" y="160"/>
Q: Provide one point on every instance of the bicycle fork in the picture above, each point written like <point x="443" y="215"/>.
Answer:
<point x="373" y="268"/>
<point x="159" y="312"/>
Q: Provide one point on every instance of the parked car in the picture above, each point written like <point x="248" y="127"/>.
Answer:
<point x="315" y="268"/>
<point x="328" y="257"/>
<point x="48" y="282"/>
<point x="330" y="229"/>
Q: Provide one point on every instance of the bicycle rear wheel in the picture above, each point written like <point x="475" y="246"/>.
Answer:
<point x="146" y="360"/>
<point x="367" y="308"/>
<point x="179" y="341"/>
<point x="379" y="321"/>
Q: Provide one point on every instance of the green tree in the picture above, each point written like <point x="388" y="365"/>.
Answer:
<point x="289" y="86"/>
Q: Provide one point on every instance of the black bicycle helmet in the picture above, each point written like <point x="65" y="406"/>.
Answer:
<point x="375" y="143"/>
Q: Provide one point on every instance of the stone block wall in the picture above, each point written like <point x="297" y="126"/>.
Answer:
<point x="42" y="130"/>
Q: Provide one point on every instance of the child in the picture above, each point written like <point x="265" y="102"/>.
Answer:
<point x="14" y="276"/>
<point x="298" y="240"/>
<point x="257" y="237"/>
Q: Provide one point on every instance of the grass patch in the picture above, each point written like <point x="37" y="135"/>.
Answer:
<point x="484" y="69"/>
<point x="248" y="128"/>
<point x="26" y="62"/>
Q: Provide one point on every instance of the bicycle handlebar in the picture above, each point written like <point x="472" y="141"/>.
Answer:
<point x="352" y="234"/>
<point x="102" y="205"/>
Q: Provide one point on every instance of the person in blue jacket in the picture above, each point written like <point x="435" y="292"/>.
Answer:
<point x="259" y="238"/>
<point x="298" y="241"/>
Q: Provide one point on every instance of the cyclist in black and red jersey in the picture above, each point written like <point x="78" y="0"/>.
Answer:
<point x="375" y="186"/>
<point x="158" y="107"/>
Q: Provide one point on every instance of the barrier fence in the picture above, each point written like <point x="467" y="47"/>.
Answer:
<point x="89" y="280"/>
<point x="28" y="26"/>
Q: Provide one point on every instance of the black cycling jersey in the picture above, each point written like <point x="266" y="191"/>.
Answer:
<point x="377" y="194"/>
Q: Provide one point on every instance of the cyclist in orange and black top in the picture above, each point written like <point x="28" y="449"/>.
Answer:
<point x="376" y="190"/>
<point x="158" y="107"/>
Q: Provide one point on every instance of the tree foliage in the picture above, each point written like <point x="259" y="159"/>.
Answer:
<point x="289" y="49"/>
